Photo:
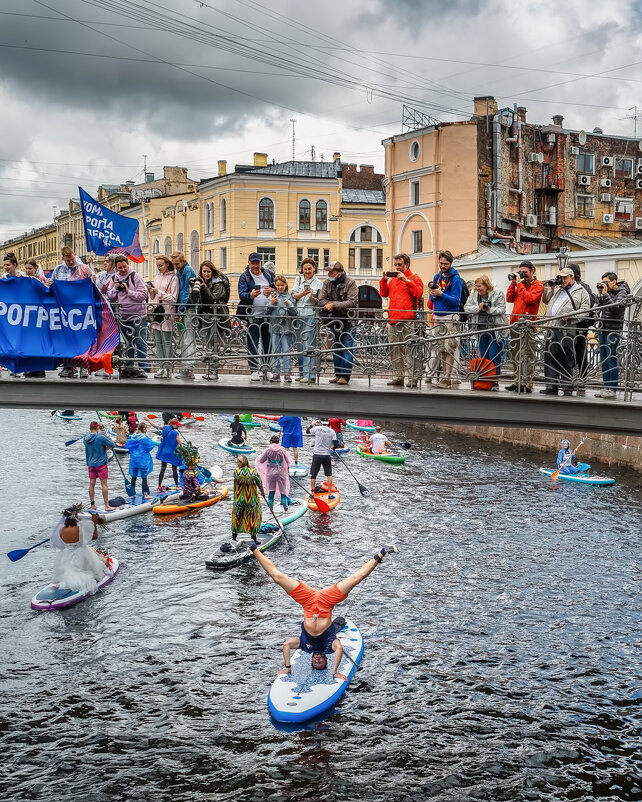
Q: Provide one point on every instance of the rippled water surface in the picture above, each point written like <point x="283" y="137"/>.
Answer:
<point x="502" y="645"/>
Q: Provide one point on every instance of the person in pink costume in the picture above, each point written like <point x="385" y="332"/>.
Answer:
<point x="274" y="465"/>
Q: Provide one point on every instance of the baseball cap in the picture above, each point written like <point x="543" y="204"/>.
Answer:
<point x="94" y="425"/>
<point x="254" y="257"/>
<point x="565" y="271"/>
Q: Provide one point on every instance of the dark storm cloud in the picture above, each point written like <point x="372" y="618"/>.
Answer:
<point x="414" y="15"/>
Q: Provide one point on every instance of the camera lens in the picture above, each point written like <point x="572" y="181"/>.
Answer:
<point x="512" y="276"/>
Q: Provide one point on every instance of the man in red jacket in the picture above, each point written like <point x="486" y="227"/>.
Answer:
<point x="404" y="289"/>
<point x="525" y="293"/>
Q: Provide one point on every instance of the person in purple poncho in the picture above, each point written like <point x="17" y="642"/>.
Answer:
<point x="273" y="465"/>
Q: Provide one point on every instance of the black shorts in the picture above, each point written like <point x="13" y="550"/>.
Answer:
<point x="320" y="461"/>
<point x="317" y="643"/>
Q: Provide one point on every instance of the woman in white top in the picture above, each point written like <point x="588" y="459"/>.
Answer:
<point x="306" y="294"/>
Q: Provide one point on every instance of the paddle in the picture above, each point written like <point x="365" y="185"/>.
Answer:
<point x="18" y="554"/>
<point x="151" y="416"/>
<point x="556" y="473"/>
<point x="278" y="523"/>
<point x="362" y="489"/>
<point x="71" y="442"/>
<point x="129" y="487"/>
<point x="322" y="505"/>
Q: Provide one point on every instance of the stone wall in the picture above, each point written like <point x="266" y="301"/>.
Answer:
<point x="606" y="449"/>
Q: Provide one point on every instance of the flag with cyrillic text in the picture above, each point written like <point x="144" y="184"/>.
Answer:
<point x="107" y="231"/>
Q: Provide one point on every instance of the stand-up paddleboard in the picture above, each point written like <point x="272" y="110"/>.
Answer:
<point x="342" y="450"/>
<point x="298" y="470"/>
<point x="172" y="509"/>
<point x="580" y="478"/>
<point x="229" y="553"/>
<point x="107" y="414"/>
<point x="305" y="692"/>
<point x="67" y="417"/>
<point x="249" y="424"/>
<point x="387" y="456"/>
<point x="325" y="496"/>
<point x="354" y="425"/>
<point x="273" y="426"/>
<point x="55" y="597"/>
<point x="265" y="417"/>
<point x="224" y="444"/>
<point x="135" y="505"/>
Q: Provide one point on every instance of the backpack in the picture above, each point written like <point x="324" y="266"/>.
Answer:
<point x="370" y="299"/>
<point x="465" y="294"/>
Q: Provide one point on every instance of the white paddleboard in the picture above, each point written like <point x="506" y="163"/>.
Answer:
<point x="298" y="470"/>
<point x="55" y="597"/>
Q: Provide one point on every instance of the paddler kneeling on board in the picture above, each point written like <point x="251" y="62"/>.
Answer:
<point x="318" y="633"/>
<point x="566" y="459"/>
<point x="377" y="442"/>
<point x="77" y="565"/>
<point x="192" y="490"/>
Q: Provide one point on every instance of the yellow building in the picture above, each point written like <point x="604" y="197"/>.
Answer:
<point x="39" y="243"/>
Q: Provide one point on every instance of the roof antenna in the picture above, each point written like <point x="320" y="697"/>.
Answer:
<point x="293" y="137"/>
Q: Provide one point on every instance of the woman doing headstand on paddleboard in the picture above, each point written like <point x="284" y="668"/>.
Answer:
<point x="318" y="633"/>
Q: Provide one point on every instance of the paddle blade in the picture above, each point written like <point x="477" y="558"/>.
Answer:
<point x="405" y="445"/>
<point x="71" y="442"/>
<point x="198" y="417"/>
<point x="151" y="416"/>
<point x="322" y="505"/>
<point x="363" y="490"/>
<point x="18" y="554"/>
<point x="555" y="474"/>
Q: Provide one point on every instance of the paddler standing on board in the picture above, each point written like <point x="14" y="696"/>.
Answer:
<point x="292" y="435"/>
<point x="322" y="451"/>
<point x="318" y="633"/>
<point x="96" y="444"/>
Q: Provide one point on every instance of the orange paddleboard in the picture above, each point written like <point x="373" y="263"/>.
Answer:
<point x="169" y="509"/>
<point x="325" y="496"/>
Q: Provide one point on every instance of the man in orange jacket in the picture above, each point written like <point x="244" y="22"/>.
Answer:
<point x="403" y="288"/>
<point x="525" y="293"/>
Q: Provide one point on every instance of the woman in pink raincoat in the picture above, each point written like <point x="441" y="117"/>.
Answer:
<point x="273" y="465"/>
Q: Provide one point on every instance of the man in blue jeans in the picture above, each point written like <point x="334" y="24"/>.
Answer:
<point x="338" y="297"/>
<point x="256" y="284"/>
<point x="611" y="295"/>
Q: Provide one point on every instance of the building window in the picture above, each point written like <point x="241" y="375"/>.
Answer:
<point x="415" y="150"/>
<point x="414" y="193"/>
<point x="313" y="253"/>
<point x="380" y="260"/>
<point x="321" y="216"/>
<point x="180" y="243"/>
<point x="584" y="205"/>
<point x="194" y="248"/>
<point x="266" y="213"/>
<point x="223" y="259"/>
<point x="351" y="257"/>
<point x="326" y="257"/>
<point x="624" y="209"/>
<point x="299" y="258"/>
<point x="585" y="163"/>
<point x="417" y="241"/>
<point x="29" y="250"/>
<point x="266" y="254"/>
<point x="168" y="246"/>
<point x="67" y="240"/>
<point x="304" y="215"/>
<point x="223" y="215"/>
<point x="624" y="168"/>
<point x="365" y="259"/>
<point x="156" y="246"/>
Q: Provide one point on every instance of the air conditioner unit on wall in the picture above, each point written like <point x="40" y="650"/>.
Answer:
<point x="605" y="197"/>
<point x="638" y="223"/>
<point x="531" y="221"/>
<point x="575" y="151"/>
<point x="607" y="219"/>
<point x="606" y="161"/>
<point x="532" y="157"/>
<point x="584" y="180"/>
<point x="638" y="183"/>
<point x="605" y="182"/>
<point x="639" y="168"/>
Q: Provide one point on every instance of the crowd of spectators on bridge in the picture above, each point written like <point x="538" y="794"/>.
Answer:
<point x="189" y="317"/>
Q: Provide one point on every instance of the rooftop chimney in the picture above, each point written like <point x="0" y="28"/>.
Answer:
<point x="222" y="167"/>
<point x="260" y="159"/>
<point x="558" y="119"/>
<point x="149" y="177"/>
<point x="485" y="105"/>
<point x="598" y="131"/>
<point x="521" y="113"/>
<point x="367" y="168"/>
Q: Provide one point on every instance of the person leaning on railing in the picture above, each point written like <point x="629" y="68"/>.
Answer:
<point x="187" y="317"/>
<point x="403" y="288"/>
<point x="256" y="284"/>
<point x="338" y="298"/>
<point x="129" y="290"/>
<point x="610" y="301"/>
<point x="486" y="308"/>
<point x="306" y="293"/>
<point x="209" y="295"/>
<point x="525" y="293"/>
<point x="568" y="303"/>
<point x="163" y="294"/>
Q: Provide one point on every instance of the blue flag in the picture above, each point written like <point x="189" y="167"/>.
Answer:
<point x="40" y="326"/>
<point x="107" y="231"/>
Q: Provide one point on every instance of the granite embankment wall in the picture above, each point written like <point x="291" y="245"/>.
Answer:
<point x="607" y="449"/>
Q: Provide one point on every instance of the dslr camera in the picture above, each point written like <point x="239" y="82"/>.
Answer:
<point x="554" y="282"/>
<point x="600" y="285"/>
<point x="432" y="285"/>
<point x="512" y="276"/>
<point x="121" y="286"/>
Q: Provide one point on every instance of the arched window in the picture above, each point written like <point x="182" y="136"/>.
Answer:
<point x="368" y="258"/>
<point x="194" y="249"/>
<point x="156" y="246"/>
<point x="180" y="243"/>
<point x="304" y="215"/>
<point x="266" y="213"/>
<point x="168" y="246"/>
<point x="322" y="216"/>
<point x="365" y="234"/>
<point x="223" y="215"/>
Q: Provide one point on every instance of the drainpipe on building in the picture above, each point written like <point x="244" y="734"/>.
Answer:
<point x="488" y="198"/>
<point x="497" y="166"/>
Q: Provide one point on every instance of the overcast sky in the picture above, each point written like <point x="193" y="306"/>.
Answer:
<point x="89" y="86"/>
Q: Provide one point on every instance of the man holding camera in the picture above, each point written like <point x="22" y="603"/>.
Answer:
<point x="611" y="296"/>
<point x="129" y="290"/>
<point x="403" y="288"/>
<point x="525" y="293"/>
<point x="337" y="298"/>
<point x="568" y="303"/>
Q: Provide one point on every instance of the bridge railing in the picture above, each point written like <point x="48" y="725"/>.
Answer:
<point x="571" y="353"/>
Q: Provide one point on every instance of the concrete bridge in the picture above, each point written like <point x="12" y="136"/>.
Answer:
<point x="361" y="398"/>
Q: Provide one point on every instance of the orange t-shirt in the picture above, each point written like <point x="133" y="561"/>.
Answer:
<point x="317" y="602"/>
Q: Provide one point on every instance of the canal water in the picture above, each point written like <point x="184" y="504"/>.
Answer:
<point x="502" y="645"/>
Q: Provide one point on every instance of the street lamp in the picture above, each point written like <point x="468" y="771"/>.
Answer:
<point x="562" y="257"/>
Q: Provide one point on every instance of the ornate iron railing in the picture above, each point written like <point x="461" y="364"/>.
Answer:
<point x="572" y="354"/>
